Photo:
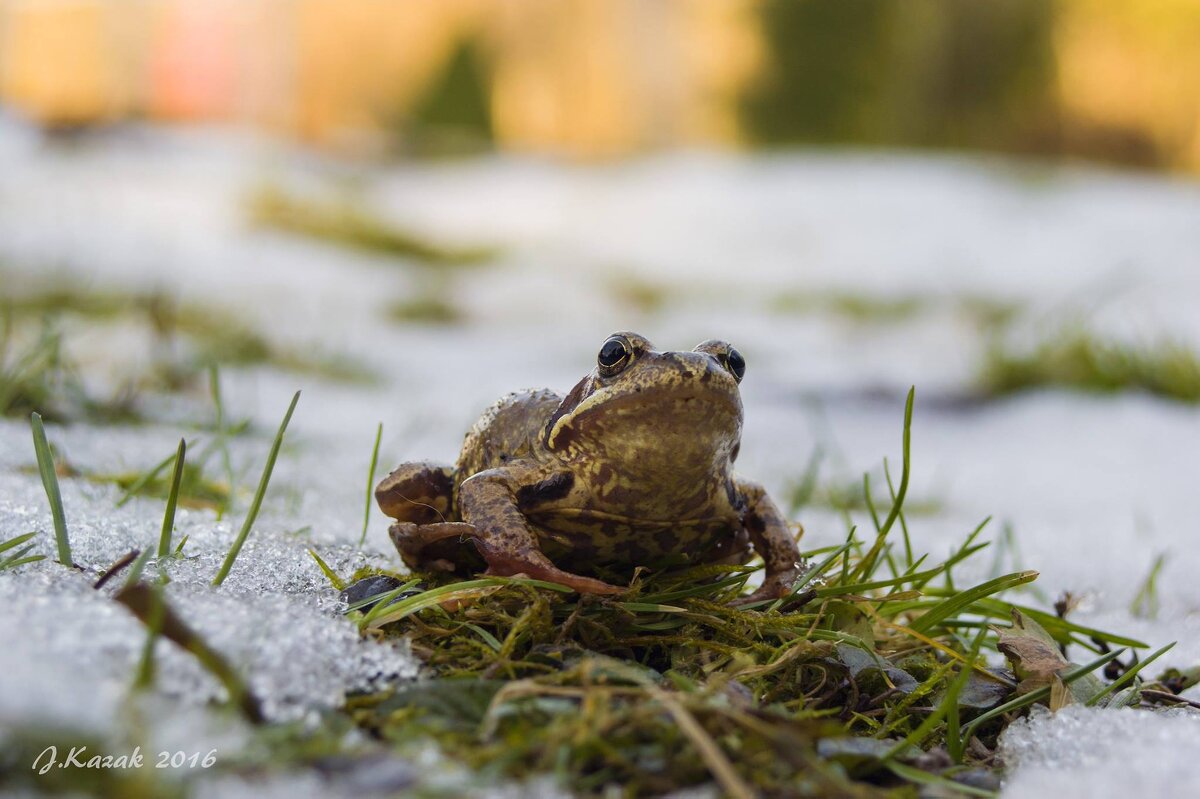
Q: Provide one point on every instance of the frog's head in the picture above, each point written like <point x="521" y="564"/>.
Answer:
<point x="682" y="408"/>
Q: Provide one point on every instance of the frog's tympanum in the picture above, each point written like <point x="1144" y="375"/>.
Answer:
<point x="634" y="467"/>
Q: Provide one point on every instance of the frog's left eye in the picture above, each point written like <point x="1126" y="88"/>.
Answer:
<point x="736" y="364"/>
<point x="614" y="356"/>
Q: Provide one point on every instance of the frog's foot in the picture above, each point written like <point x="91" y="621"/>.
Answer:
<point x="536" y="566"/>
<point x="775" y="586"/>
<point x="434" y="547"/>
<point x="421" y="493"/>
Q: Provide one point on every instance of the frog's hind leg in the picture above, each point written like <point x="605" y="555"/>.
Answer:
<point x="422" y="498"/>
<point x="421" y="493"/>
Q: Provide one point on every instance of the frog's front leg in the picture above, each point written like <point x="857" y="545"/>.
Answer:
<point x="488" y="501"/>
<point x="773" y="540"/>
<point x="420" y="496"/>
<point x="420" y="492"/>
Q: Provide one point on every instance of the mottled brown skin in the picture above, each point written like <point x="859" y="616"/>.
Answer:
<point x="632" y="468"/>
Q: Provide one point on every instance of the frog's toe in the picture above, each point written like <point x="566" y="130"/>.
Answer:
<point x="421" y="493"/>
<point x="536" y="569"/>
<point x="576" y="582"/>
<point x="443" y="546"/>
<point x="777" y="586"/>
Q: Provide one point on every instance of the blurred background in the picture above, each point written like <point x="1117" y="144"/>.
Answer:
<point x="414" y="207"/>
<point x="408" y="209"/>
<point x="594" y="79"/>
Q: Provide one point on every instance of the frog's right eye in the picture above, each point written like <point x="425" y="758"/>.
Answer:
<point x="614" y="356"/>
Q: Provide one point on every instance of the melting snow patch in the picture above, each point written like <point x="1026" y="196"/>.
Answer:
<point x="1082" y="751"/>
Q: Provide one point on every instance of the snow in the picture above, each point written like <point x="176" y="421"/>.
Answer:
<point x="1088" y="752"/>
<point x="1093" y="487"/>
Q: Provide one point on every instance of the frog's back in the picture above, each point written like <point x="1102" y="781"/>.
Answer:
<point x="512" y="428"/>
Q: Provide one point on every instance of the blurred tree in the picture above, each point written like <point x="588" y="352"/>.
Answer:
<point x="825" y="76"/>
<point x="917" y="73"/>
<point x="455" y="113"/>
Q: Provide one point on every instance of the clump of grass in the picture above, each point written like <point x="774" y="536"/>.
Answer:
<point x="41" y="377"/>
<point x="638" y="293"/>
<point x="432" y="304"/>
<point x="217" y="337"/>
<point x="810" y="490"/>
<point x="195" y="489"/>
<point x="834" y="690"/>
<point x="1077" y="359"/>
<point x="188" y="339"/>
<point x="21" y="556"/>
<point x="349" y="224"/>
<point x="986" y="312"/>
<point x="853" y="306"/>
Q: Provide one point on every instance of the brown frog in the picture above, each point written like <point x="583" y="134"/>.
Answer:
<point x="632" y="468"/>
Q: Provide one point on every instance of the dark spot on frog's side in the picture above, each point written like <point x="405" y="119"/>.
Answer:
<point x="667" y="540"/>
<point x="753" y="522"/>
<point x="556" y="486"/>
<point x="736" y="500"/>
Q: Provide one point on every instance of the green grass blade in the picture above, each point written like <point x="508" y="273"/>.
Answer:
<point x="487" y="637"/>
<point x="931" y="721"/>
<point x="384" y="597"/>
<point x="144" y="480"/>
<point x="17" y="558"/>
<point x="1036" y="695"/>
<point x="371" y="484"/>
<point x="139" y="565"/>
<point x="1145" y="603"/>
<point x="650" y="607"/>
<point x="866" y="567"/>
<point x="1128" y="676"/>
<point x="154" y="621"/>
<point x="908" y="550"/>
<point x="214" y="385"/>
<point x="858" y="588"/>
<point x="12" y="564"/>
<point x="164" y="540"/>
<point x="151" y="608"/>
<point x="948" y="787"/>
<point x="16" y="542"/>
<point x="45" y="462"/>
<point x="385" y="614"/>
<point x="252" y="514"/>
<point x="1061" y="629"/>
<point x="813" y="573"/>
<point x="905" y="471"/>
<point x="953" y="605"/>
<point x="330" y="575"/>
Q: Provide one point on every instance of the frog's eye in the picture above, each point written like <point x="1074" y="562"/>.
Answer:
<point x="736" y="364"/>
<point x="614" y="356"/>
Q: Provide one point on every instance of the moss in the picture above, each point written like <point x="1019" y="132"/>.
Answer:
<point x="835" y="690"/>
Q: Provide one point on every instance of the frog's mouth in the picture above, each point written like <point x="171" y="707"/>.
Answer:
<point x="662" y="412"/>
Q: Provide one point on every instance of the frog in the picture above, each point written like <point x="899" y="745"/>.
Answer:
<point x="632" y="468"/>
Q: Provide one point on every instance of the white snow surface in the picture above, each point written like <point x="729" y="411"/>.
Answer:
<point x="1093" y="487"/>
